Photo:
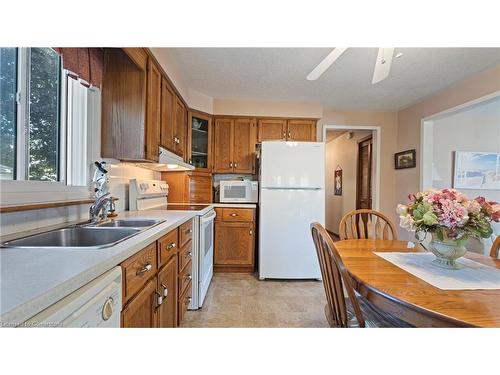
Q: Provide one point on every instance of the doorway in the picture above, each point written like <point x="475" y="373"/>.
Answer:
<point x="352" y="157"/>
<point x="364" y="175"/>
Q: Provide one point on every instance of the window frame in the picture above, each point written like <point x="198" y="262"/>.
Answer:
<point x="23" y="191"/>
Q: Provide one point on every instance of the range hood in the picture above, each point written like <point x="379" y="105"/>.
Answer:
<point x="168" y="162"/>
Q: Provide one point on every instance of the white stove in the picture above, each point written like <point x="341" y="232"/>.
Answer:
<point x="153" y="195"/>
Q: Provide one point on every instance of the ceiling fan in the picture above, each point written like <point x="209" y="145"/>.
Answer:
<point x="382" y="64"/>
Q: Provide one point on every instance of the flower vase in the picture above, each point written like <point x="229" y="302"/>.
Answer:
<point x="447" y="252"/>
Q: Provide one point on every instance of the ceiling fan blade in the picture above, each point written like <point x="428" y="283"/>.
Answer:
<point x="383" y="64"/>
<point x="325" y="64"/>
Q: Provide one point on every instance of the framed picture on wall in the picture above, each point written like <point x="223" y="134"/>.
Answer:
<point x="337" y="181"/>
<point x="477" y="170"/>
<point x="405" y="159"/>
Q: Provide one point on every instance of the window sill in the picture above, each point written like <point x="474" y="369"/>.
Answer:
<point x="39" y="206"/>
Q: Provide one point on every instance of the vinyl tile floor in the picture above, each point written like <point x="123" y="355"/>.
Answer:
<point x="242" y="300"/>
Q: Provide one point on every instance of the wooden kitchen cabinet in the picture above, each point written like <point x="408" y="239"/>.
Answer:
<point x="301" y="130"/>
<point x="199" y="141"/>
<point x="167" y="115"/>
<point x="234" y="145"/>
<point x="141" y="311"/>
<point x="180" y="125"/>
<point x="189" y="187"/>
<point x="152" y="281"/>
<point x="234" y="243"/>
<point x="167" y="285"/>
<point x="272" y="130"/>
<point x="298" y="130"/>
<point x="153" y="118"/>
<point x="123" y="114"/>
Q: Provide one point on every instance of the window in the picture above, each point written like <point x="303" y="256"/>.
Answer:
<point x="46" y="117"/>
<point x="30" y="85"/>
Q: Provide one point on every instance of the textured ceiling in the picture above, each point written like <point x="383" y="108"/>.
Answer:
<point x="280" y="74"/>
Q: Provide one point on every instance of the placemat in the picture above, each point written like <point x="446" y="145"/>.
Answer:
<point x="473" y="276"/>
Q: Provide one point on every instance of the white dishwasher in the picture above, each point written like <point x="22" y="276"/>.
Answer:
<point x="96" y="304"/>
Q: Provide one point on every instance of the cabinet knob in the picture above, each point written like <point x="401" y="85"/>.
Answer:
<point x="234" y="214"/>
<point x="165" y="290"/>
<point x="189" y="277"/>
<point x="171" y="245"/>
<point x="289" y="134"/>
<point x="159" y="299"/>
<point x="230" y="164"/>
<point x="284" y="134"/>
<point x="144" y="269"/>
<point x="189" y="255"/>
<point x="251" y="232"/>
<point x="189" y="231"/>
<point x="236" y="165"/>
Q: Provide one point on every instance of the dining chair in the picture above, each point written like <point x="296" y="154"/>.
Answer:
<point x="345" y="311"/>
<point x="495" y="249"/>
<point x="366" y="224"/>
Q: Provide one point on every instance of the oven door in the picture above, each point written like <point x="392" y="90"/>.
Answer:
<point x="206" y="265"/>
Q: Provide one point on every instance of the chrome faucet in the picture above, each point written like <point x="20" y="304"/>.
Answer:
<point x="101" y="204"/>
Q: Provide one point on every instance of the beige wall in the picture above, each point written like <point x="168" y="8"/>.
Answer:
<point x="409" y="122"/>
<point x="341" y="152"/>
<point x="242" y="107"/>
<point x="387" y="121"/>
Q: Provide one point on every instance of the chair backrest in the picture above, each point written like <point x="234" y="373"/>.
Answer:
<point x="366" y="224"/>
<point x="495" y="249"/>
<point x="335" y="279"/>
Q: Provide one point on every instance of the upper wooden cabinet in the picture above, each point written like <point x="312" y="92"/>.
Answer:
<point x="199" y="141"/>
<point x="301" y="130"/>
<point x="123" y="129"/>
<point x="287" y="130"/>
<point x="272" y="130"/>
<point x="153" y="119"/>
<point x="234" y="145"/>
<point x="180" y="125"/>
<point x="223" y="145"/>
<point x="167" y="115"/>
<point x="131" y="94"/>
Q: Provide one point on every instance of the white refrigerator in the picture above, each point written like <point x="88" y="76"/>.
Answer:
<point x="292" y="196"/>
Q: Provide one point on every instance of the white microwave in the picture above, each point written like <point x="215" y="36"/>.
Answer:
<point x="237" y="191"/>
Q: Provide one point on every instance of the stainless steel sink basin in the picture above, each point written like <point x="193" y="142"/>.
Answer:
<point x="129" y="223"/>
<point x="77" y="237"/>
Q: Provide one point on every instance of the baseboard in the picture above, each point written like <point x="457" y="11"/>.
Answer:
<point x="233" y="269"/>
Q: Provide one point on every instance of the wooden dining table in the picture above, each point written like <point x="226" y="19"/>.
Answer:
<point x="411" y="299"/>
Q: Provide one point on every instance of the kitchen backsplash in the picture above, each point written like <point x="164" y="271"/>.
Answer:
<point x="119" y="177"/>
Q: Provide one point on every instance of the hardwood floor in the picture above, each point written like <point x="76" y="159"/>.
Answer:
<point x="241" y="300"/>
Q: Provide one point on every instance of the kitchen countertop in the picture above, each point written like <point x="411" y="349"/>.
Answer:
<point x="33" y="279"/>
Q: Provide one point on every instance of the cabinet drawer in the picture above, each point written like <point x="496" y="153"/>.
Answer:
<point x="185" y="255"/>
<point x="185" y="277"/>
<point x="184" y="301"/>
<point x="237" y="214"/>
<point x="138" y="269"/>
<point x="185" y="233"/>
<point x="167" y="246"/>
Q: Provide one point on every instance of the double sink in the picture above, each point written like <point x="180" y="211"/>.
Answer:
<point x="86" y="236"/>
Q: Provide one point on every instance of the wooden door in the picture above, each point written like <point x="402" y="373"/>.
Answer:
<point x="167" y="285"/>
<point x="364" y="176"/>
<point x="140" y="311"/>
<point x="234" y="243"/>
<point x="180" y="128"/>
<point x="202" y="138"/>
<point x="153" y="117"/>
<point x="301" y="130"/>
<point x="200" y="187"/>
<point x="167" y="115"/>
<point x="244" y="145"/>
<point x="272" y="130"/>
<point x="223" y="145"/>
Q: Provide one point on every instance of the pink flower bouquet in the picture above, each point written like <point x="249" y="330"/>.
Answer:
<point x="449" y="215"/>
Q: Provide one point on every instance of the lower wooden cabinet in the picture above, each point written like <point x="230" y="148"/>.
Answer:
<point x="156" y="286"/>
<point x="141" y="311"/>
<point x="167" y="285"/>
<point x="234" y="244"/>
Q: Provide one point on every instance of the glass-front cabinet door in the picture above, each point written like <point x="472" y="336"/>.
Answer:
<point x="199" y="142"/>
